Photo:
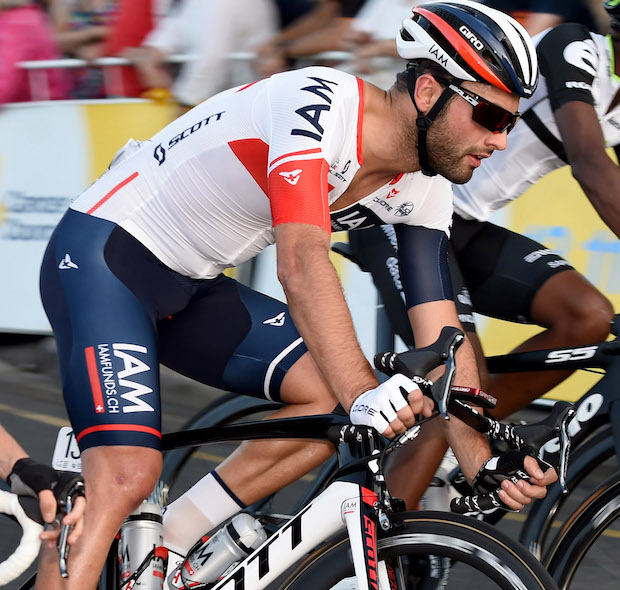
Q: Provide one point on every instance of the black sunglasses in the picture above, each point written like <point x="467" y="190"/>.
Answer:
<point x="488" y="114"/>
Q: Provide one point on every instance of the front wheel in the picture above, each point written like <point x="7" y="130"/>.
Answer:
<point x="574" y="549"/>
<point x="481" y="557"/>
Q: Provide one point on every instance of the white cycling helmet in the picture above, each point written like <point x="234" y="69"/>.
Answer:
<point x="472" y="42"/>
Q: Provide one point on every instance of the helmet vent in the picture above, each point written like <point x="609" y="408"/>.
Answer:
<point x="454" y="22"/>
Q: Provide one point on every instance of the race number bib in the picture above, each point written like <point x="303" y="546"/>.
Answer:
<point x="66" y="453"/>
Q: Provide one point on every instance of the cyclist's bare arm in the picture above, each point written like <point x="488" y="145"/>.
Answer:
<point x="595" y="171"/>
<point x="470" y="447"/>
<point x="10" y="453"/>
<point x="322" y="316"/>
<point x="320" y="312"/>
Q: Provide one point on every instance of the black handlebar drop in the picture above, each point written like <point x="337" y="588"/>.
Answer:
<point x="528" y="438"/>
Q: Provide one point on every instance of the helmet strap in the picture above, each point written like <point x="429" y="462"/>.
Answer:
<point x="423" y="122"/>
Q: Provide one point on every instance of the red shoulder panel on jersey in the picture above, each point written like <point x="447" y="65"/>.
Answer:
<point x="253" y="154"/>
<point x="360" y="119"/>
<point x="298" y="193"/>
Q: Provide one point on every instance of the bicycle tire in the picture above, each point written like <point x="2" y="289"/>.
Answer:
<point x="501" y="560"/>
<point x="582" y="530"/>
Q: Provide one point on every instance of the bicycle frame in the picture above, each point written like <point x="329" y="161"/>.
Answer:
<point x="350" y="501"/>
<point x="598" y="406"/>
<point x="595" y="431"/>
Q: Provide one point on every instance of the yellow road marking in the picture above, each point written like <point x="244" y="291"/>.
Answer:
<point x="35" y="416"/>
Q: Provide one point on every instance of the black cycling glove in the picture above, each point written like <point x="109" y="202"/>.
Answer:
<point x="496" y="469"/>
<point x="28" y="477"/>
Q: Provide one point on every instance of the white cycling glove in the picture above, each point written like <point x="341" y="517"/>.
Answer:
<point x="378" y="407"/>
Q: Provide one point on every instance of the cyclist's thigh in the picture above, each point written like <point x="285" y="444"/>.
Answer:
<point x="232" y="337"/>
<point x="105" y="329"/>
<point x="503" y="270"/>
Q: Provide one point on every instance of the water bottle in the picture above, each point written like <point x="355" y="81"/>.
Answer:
<point x="211" y="557"/>
<point x="141" y="535"/>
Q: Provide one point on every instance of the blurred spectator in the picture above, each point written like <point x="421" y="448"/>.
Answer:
<point x="81" y="28"/>
<point x="538" y="15"/>
<point x="25" y="35"/>
<point x="324" y="28"/>
<point x="209" y="31"/>
<point x="133" y="21"/>
<point x="291" y="10"/>
<point x="373" y="39"/>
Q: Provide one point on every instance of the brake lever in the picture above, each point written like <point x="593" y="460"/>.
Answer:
<point x="565" y="444"/>
<point x="77" y="489"/>
<point x="530" y="438"/>
<point x="442" y="387"/>
<point x="63" y="545"/>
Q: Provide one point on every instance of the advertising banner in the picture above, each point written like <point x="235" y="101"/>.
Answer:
<point x="50" y="151"/>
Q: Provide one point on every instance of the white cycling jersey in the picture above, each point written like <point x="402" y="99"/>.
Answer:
<point x="205" y="193"/>
<point x="578" y="65"/>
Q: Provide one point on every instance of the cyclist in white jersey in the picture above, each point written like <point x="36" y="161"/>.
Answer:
<point x="133" y="273"/>
<point x="573" y="116"/>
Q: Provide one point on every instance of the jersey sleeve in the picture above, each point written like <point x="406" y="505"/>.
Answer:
<point x="569" y="60"/>
<point x="308" y="124"/>
<point x="436" y="209"/>
<point x="423" y="261"/>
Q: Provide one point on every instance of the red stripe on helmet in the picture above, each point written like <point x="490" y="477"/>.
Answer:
<point x="466" y="51"/>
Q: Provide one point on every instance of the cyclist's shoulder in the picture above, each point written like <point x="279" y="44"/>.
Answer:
<point x="558" y="38"/>
<point x="321" y="81"/>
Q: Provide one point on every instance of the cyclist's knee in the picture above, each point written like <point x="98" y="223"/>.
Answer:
<point x="121" y="476"/>
<point x="573" y="308"/>
<point x="588" y="320"/>
<point x="596" y="315"/>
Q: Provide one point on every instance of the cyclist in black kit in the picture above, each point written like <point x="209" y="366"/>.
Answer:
<point x="570" y="120"/>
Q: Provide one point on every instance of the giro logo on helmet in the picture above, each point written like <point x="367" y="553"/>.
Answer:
<point x="479" y="45"/>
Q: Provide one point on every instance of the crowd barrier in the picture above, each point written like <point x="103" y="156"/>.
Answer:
<point x="53" y="150"/>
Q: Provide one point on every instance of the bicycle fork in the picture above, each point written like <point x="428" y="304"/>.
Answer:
<point x="360" y="516"/>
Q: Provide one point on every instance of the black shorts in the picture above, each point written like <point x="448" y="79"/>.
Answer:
<point x="500" y="271"/>
<point x="495" y="272"/>
<point x="117" y="312"/>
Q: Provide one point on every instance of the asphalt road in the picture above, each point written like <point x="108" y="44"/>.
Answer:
<point x="32" y="409"/>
